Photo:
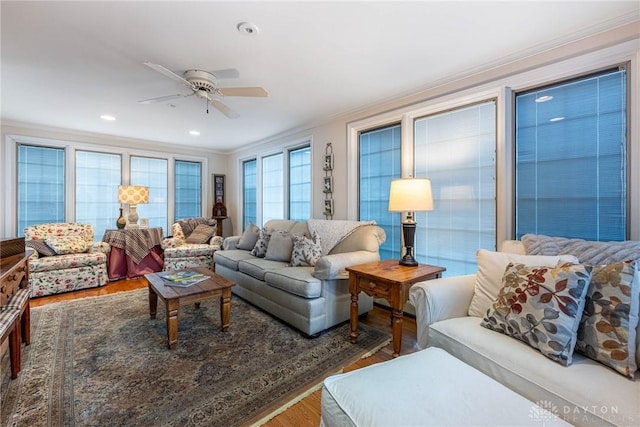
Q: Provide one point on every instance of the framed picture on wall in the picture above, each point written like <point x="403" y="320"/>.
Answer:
<point x="328" y="162"/>
<point x="328" y="185"/>
<point x="328" y="207"/>
<point x="218" y="188"/>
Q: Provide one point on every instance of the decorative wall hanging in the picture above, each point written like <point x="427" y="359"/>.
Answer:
<point x="218" y="188"/>
<point x="327" y="184"/>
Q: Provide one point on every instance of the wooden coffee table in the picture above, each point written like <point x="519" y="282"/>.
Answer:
<point x="215" y="286"/>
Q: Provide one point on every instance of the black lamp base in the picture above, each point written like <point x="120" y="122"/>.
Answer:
<point x="409" y="233"/>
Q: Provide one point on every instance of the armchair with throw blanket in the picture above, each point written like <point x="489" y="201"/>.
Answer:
<point x="192" y="244"/>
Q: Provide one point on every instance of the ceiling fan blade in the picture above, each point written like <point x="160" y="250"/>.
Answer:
<point x="224" y="109"/>
<point x="163" y="98"/>
<point x="243" y="91"/>
<point x="229" y="73"/>
<point x="168" y="73"/>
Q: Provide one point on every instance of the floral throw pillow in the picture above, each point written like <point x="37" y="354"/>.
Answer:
<point x="306" y="251"/>
<point x="260" y="248"/>
<point x="607" y="332"/>
<point x="541" y="306"/>
<point x="64" y="245"/>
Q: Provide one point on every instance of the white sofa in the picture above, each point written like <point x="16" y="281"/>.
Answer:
<point x="584" y="393"/>
<point x="311" y="298"/>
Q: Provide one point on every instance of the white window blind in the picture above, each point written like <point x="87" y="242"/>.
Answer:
<point x="300" y="184"/>
<point x="272" y="188"/>
<point x="152" y="173"/>
<point x="571" y="164"/>
<point x="379" y="163"/>
<point x="97" y="179"/>
<point x="249" y="185"/>
<point x="188" y="189"/>
<point x="41" y="182"/>
<point x="456" y="150"/>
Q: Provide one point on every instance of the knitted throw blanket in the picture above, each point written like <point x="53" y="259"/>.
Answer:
<point x="588" y="252"/>
<point x="333" y="232"/>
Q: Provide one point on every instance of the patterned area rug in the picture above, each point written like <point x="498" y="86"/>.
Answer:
<point x="102" y="361"/>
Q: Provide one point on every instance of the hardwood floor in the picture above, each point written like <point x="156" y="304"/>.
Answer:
<point x="307" y="411"/>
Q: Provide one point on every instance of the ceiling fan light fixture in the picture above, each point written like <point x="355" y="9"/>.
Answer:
<point x="248" y="29"/>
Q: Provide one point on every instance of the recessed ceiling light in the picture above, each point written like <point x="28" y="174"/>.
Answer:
<point x="107" y="117"/>
<point x="248" y="29"/>
<point x="544" y="98"/>
<point x="194" y="133"/>
<point x="556" y="119"/>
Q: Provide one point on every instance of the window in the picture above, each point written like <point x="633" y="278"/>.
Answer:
<point x="379" y="163"/>
<point x="97" y="178"/>
<point x="272" y="188"/>
<point x="571" y="158"/>
<point x="188" y="189"/>
<point x="249" y="185"/>
<point x="152" y="173"/>
<point x="41" y="185"/>
<point x="300" y="184"/>
<point x="456" y="150"/>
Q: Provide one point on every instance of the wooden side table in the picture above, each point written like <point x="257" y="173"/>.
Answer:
<point x="391" y="281"/>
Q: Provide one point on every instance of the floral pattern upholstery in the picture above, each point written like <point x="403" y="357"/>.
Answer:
<point x="62" y="273"/>
<point x="179" y="255"/>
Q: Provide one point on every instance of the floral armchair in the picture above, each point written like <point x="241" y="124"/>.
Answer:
<point x="65" y="258"/>
<point x="192" y="244"/>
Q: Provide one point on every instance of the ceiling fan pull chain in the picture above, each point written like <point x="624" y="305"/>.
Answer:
<point x="207" y="105"/>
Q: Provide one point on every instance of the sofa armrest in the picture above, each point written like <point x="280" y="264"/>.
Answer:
<point x="333" y="266"/>
<point x="103" y="247"/>
<point x="440" y="299"/>
<point x="171" y="242"/>
<point x="231" y="242"/>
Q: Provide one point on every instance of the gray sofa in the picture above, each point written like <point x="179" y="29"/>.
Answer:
<point x="310" y="298"/>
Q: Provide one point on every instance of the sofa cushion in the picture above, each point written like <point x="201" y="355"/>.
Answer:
<point x="41" y="247"/>
<point x="280" y="246"/>
<point x="585" y="393"/>
<point x="364" y="238"/>
<point x="260" y="248"/>
<point x="62" y="262"/>
<point x="201" y="234"/>
<point x="64" y="245"/>
<point x="305" y="250"/>
<point x="607" y="330"/>
<point x="230" y="258"/>
<point x="249" y="237"/>
<point x="257" y="267"/>
<point x="491" y="266"/>
<point x="295" y="280"/>
<point x="541" y="306"/>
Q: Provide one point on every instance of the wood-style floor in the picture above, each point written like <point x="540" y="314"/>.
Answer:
<point x="307" y="411"/>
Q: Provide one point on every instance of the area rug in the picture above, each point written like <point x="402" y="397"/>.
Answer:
<point x="102" y="361"/>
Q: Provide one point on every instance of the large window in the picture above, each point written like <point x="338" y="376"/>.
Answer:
<point x="249" y="185"/>
<point x="456" y="150"/>
<point x="571" y="158"/>
<point x="379" y="163"/>
<point x="152" y="173"/>
<point x="188" y="178"/>
<point x="41" y="185"/>
<point x="300" y="184"/>
<point x="272" y="188"/>
<point x="97" y="178"/>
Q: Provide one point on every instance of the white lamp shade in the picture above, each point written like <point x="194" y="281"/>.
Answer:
<point x="133" y="194"/>
<point x="410" y="195"/>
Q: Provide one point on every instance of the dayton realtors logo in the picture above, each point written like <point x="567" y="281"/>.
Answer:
<point x="545" y="412"/>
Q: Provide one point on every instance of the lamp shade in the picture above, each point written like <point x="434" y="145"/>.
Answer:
<point x="410" y="195"/>
<point x="133" y="194"/>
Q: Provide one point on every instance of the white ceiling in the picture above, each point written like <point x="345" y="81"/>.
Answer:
<point x="64" y="64"/>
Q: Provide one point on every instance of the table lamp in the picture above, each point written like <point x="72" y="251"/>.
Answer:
<point x="410" y="195"/>
<point x="133" y="195"/>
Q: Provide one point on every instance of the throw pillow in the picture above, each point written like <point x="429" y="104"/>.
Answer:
<point x="541" y="306"/>
<point x="280" y="246"/>
<point x="607" y="332"/>
<point x="260" y="248"/>
<point x="249" y="237"/>
<point x="201" y="234"/>
<point x="491" y="266"/>
<point x="41" y="247"/>
<point x="306" y="251"/>
<point x="64" y="245"/>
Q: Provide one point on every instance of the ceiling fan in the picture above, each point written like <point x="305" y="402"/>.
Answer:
<point x="204" y="85"/>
